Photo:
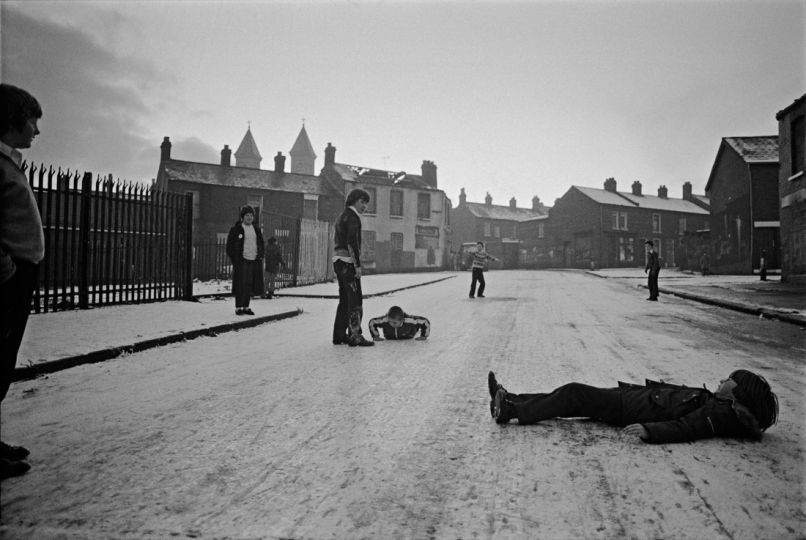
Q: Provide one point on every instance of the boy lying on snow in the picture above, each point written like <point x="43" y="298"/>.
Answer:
<point x="742" y="406"/>
<point x="397" y="324"/>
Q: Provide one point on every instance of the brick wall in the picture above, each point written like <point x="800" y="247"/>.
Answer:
<point x="792" y="191"/>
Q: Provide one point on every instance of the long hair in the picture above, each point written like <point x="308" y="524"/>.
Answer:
<point x="753" y="391"/>
<point x="16" y="107"/>
<point x="355" y="196"/>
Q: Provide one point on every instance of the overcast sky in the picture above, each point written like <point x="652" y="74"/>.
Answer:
<point x="515" y="98"/>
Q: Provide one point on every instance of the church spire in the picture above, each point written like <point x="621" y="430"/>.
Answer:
<point x="303" y="157"/>
<point x="247" y="154"/>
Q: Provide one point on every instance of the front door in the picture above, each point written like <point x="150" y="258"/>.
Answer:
<point x="396" y="250"/>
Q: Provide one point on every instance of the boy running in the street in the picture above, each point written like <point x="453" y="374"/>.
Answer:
<point x="397" y="324"/>
<point x="480" y="258"/>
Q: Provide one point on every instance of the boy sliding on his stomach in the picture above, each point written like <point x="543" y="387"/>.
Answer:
<point x="397" y="324"/>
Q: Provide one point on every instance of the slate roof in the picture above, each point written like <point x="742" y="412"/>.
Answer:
<point x="762" y="149"/>
<point x="650" y="202"/>
<point x="302" y="146"/>
<point x="244" y="177"/>
<point x="498" y="211"/>
<point x="367" y="175"/>
<point x="248" y="147"/>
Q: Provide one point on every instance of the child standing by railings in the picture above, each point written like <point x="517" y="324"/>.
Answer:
<point x="480" y="258"/>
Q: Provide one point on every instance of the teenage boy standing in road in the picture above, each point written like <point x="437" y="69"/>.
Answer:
<point x="347" y="266"/>
<point x="22" y="244"/>
<point x="480" y="258"/>
<point x="653" y="267"/>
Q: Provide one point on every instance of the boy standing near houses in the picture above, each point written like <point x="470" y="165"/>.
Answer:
<point x="22" y="244"/>
<point x="653" y="269"/>
<point x="397" y="324"/>
<point x="347" y="266"/>
<point x="274" y="260"/>
<point x="245" y="250"/>
<point x="480" y="258"/>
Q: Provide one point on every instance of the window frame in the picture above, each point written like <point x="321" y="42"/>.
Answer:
<point x="392" y="194"/>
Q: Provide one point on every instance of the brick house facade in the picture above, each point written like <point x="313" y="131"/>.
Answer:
<point x="792" y="189"/>
<point x="607" y="228"/>
<point x="743" y="190"/>
<point x="498" y="226"/>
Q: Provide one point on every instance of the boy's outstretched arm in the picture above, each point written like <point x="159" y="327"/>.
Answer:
<point x="424" y="325"/>
<point x="373" y="327"/>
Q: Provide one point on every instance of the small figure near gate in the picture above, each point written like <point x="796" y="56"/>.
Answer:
<point x="274" y="260"/>
<point x="743" y="406"/>
<point x="763" y="265"/>
<point x="397" y="324"/>
<point x="245" y="250"/>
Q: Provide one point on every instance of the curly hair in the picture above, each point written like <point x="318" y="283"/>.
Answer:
<point x="16" y="107"/>
<point x="753" y="391"/>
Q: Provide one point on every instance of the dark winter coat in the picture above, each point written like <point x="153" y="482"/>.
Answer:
<point x="274" y="258"/>
<point x="235" y="240"/>
<point x="347" y="239"/>
<point x="652" y="262"/>
<point x="672" y="413"/>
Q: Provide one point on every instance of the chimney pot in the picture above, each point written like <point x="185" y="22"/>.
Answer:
<point x="165" y="147"/>
<point x="279" y="163"/>
<point x="330" y="155"/>
<point x="610" y="185"/>
<point x="429" y="171"/>
<point x="663" y="193"/>
<point x="535" y="203"/>
<point x="687" y="191"/>
<point x="462" y="196"/>
<point x="513" y="203"/>
<point x="636" y="188"/>
<point x="226" y="155"/>
<point x="488" y="200"/>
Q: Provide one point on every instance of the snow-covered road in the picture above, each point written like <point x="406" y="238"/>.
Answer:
<point x="274" y="432"/>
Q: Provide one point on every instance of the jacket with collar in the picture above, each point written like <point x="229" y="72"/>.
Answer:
<point x="347" y="238"/>
<point x="21" y="233"/>
<point x="235" y="240"/>
<point x="411" y="325"/>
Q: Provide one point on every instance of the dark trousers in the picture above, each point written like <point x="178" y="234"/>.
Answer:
<point x="243" y="280"/>
<point x="15" y="305"/>
<point x="570" y="401"/>
<point x="652" y="283"/>
<point x="351" y="299"/>
<point x="478" y="276"/>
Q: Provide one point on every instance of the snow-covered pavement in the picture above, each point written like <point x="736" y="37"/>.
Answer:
<point x="273" y="432"/>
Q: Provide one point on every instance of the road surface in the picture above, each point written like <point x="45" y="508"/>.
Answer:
<point x="273" y="432"/>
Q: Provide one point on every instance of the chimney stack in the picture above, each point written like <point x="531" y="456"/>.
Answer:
<point x="166" y="149"/>
<point x="279" y="163"/>
<point x="226" y="155"/>
<point x="663" y="193"/>
<point x="462" y="196"/>
<point x="330" y="156"/>
<point x="488" y="200"/>
<point x="429" y="173"/>
<point x="687" y="191"/>
<point x="535" y="204"/>
<point x="513" y="203"/>
<point x="610" y="185"/>
<point x="636" y="188"/>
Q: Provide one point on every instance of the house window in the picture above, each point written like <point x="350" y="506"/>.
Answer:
<point x="540" y="232"/>
<point x="626" y="249"/>
<point x="310" y="207"/>
<point x="487" y="228"/>
<point x="681" y="225"/>
<point x="423" y="206"/>
<point x="797" y="141"/>
<point x="447" y="210"/>
<point x="656" y="241"/>
<point x="372" y="207"/>
<point x="368" y="246"/>
<point x="497" y="231"/>
<point x="619" y="221"/>
<point x="396" y="203"/>
<point x="656" y="223"/>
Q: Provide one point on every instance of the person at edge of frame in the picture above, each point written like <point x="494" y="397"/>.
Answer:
<point x="347" y="266"/>
<point x="22" y="245"/>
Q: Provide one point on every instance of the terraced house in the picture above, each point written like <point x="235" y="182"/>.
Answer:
<point x="607" y="228"/>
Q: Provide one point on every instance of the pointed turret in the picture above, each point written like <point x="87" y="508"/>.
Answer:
<point x="247" y="154"/>
<point x="303" y="157"/>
